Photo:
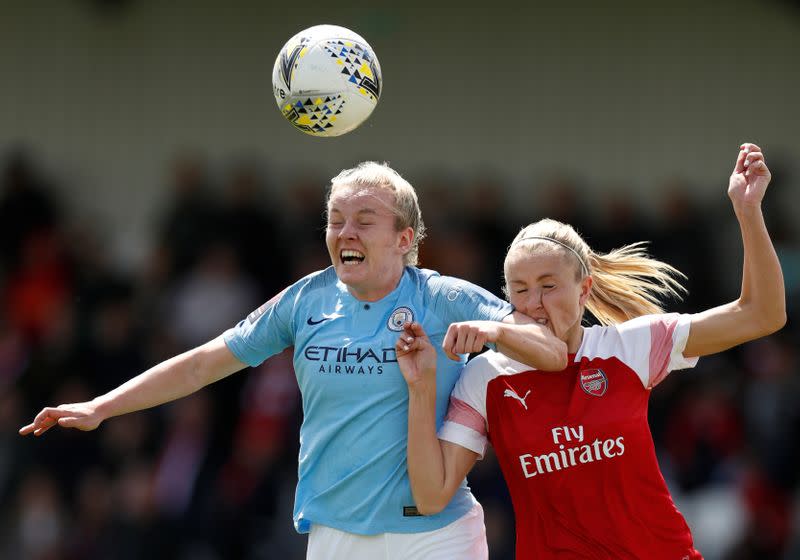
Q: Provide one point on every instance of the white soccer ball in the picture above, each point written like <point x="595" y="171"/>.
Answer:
<point x="326" y="80"/>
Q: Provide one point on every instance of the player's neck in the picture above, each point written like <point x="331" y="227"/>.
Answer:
<point x="574" y="339"/>
<point x="375" y="292"/>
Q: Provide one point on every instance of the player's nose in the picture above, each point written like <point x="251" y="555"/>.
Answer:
<point x="348" y="230"/>
<point x="530" y="304"/>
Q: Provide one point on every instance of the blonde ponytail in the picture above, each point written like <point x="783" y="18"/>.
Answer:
<point x="627" y="283"/>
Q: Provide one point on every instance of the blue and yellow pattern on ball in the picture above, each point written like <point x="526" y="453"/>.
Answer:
<point x="314" y="115"/>
<point x="357" y="63"/>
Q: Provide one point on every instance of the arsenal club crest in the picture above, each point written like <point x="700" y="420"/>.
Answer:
<point x="594" y="382"/>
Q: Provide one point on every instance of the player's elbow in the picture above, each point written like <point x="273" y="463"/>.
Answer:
<point x="763" y="320"/>
<point x="430" y="507"/>
<point x="768" y="317"/>
<point x="429" y="501"/>
<point x="559" y="357"/>
<point x="775" y="321"/>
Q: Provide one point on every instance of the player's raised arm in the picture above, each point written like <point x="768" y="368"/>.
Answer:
<point x="761" y="306"/>
<point x="435" y="468"/>
<point x="172" y="379"/>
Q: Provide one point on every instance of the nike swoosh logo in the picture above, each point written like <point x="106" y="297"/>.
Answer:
<point x="312" y="322"/>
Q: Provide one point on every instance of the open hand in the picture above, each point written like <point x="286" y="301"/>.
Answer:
<point x="81" y="416"/>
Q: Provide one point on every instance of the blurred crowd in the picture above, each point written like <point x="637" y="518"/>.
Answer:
<point x="212" y="476"/>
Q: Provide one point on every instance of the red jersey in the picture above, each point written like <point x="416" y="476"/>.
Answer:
<point x="575" y="446"/>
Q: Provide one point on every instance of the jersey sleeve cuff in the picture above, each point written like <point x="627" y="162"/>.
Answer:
<point x="238" y="348"/>
<point x="463" y="436"/>
<point x="679" y="338"/>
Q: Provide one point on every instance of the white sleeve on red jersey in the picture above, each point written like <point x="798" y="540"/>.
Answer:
<point x="651" y="345"/>
<point x="465" y="423"/>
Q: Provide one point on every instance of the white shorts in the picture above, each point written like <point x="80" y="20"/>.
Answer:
<point x="463" y="539"/>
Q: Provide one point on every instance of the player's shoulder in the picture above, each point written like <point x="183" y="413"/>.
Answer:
<point x="318" y="280"/>
<point x="425" y="278"/>
<point x="433" y="283"/>
<point x="656" y="323"/>
<point x="606" y="331"/>
<point x="435" y="278"/>
<point x="315" y="284"/>
<point x="429" y="283"/>
<point x="604" y="340"/>
<point x="636" y="327"/>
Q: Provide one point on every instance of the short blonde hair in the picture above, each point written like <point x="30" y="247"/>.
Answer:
<point x="371" y="174"/>
<point x="627" y="283"/>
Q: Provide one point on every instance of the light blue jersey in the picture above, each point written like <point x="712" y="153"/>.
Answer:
<point x="352" y="464"/>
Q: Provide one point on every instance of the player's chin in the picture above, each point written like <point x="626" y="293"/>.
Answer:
<point x="347" y="272"/>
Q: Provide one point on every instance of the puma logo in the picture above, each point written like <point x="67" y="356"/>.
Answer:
<point x="511" y="393"/>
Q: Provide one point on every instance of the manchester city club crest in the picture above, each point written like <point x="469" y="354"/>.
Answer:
<point x="594" y="382"/>
<point x="400" y="317"/>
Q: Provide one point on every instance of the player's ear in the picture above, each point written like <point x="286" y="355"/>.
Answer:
<point x="586" y="289"/>
<point x="405" y="239"/>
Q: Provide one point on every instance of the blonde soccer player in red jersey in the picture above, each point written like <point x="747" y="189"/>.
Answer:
<point x="574" y="446"/>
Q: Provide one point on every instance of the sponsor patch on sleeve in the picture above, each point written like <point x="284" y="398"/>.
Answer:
<point x="264" y="307"/>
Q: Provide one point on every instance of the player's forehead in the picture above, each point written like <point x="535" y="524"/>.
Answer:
<point x="355" y="199"/>
<point x="527" y="264"/>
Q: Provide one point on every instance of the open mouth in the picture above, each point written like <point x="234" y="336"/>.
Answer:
<point x="350" y="257"/>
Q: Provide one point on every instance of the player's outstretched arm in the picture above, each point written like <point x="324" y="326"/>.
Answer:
<point x="172" y="379"/>
<point x="517" y="336"/>
<point x="761" y="306"/>
<point x="435" y="468"/>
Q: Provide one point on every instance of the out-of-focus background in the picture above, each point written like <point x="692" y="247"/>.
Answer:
<point x="151" y="195"/>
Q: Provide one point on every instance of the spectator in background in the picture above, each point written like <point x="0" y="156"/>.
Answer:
<point x="618" y="218"/>
<point x="486" y="218"/>
<point x="213" y="294"/>
<point x="703" y="434"/>
<point x="185" y="231"/>
<point x="40" y="525"/>
<point x="681" y="225"/>
<point x="246" y="222"/>
<point x="559" y="197"/>
<point x="39" y="286"/>
<point x="27" y="208"/>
